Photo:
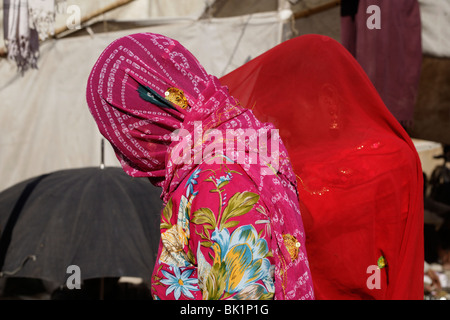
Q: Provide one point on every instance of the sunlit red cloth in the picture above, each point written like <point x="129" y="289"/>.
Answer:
<point x="240" y="239"/>
<point x="359" y="175"/>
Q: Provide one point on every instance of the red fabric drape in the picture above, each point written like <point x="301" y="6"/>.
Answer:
<point x="359" y="175"/>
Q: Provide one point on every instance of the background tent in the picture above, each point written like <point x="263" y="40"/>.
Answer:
<point x="45" y="124"/>
<point x="432" y="110"/>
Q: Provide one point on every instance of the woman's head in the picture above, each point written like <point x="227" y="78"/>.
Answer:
<point x="128" y="92"/>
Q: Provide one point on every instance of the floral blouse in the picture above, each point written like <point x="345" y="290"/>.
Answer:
<point x="215" y="236"/>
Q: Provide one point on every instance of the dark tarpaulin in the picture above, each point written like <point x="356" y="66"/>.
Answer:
<point x="101" y="220"/>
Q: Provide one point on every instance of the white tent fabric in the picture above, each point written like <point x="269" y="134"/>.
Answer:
<point x="45" y="122"/>
<point x="435" y="16"/>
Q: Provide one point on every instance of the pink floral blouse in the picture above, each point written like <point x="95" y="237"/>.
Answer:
<point x="215" y="236"/>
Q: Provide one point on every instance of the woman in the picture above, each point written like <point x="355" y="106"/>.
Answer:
<point x="231" y="227"/>
<point x="359" y="175"/>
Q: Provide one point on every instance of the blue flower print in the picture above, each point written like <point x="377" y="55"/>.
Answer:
<point x="180" y="283"/>
<point x="224" y="178"/>
<point x="190" y="183"/>
<point x="244" y="255"/>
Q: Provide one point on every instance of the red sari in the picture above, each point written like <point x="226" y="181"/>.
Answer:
<point x="359" y="175"/>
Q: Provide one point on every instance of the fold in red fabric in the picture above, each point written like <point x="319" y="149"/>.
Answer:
<point x="359" y="175"/>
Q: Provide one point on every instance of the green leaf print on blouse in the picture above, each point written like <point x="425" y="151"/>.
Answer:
<point x="236" y="264"/>
<point x="176" y="237"/>
<point x="239" y="204"/>
<point x="240" y="268"/>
